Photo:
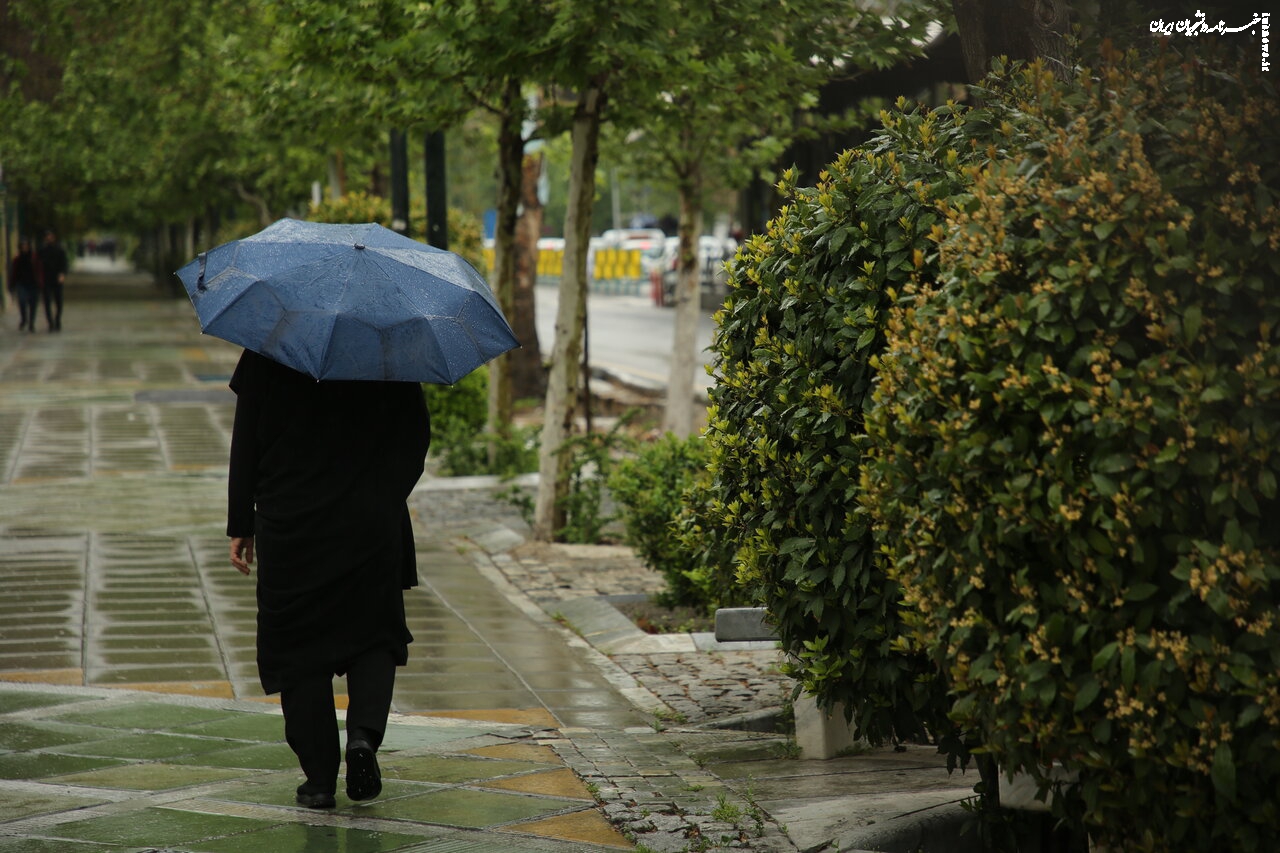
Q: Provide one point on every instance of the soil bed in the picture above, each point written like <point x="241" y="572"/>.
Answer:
<point x="653" y="618"/>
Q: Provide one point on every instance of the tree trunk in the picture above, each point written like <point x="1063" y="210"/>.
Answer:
<point x="1018" y="29"/>
<point x="337" y="168"/>
<point x="679" y="417"/>
<point x="510" y="157"/>
<point x="528" y="381"/>
<point x="571" y="317"/>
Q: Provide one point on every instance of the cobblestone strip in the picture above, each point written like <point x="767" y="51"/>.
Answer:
<point x="663" y="800"/>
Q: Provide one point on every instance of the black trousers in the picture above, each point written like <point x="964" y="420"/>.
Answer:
<point x="311" y="724"/>
<point x="52" y="305"/>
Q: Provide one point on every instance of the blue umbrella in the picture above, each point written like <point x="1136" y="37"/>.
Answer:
<point x="349" y="302"/>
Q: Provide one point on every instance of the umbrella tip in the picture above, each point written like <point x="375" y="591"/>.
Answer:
<point x="359" y="245"/>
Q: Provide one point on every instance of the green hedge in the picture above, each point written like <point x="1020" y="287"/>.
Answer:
<point x="1075" y="448"/>
<point x="657" y="489"/>
<point x="802" y="320"/>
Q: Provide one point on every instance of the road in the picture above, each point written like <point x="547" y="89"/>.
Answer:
<point x="626" y="334"/>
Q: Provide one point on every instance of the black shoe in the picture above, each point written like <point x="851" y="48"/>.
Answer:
<point x="364" y="779"/>
<point x="314" y="798"/>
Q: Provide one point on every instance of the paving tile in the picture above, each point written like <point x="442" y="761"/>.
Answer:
<point x="31" y="765"/>
<point x="518" y="752"/>
<point x="446" y="769"/>
<point x="403" y="737"/>
<point x="36" y="845"/>
<point x="280" y="789"/>
<point x="303" y="838"/>
<point x="589" y="827"/>
<point x="142" y="777"/>
<point x="562" y="782"/>
<point x="35" y="734"/>
<point x="154" y="827"/>
<point x="148" y="746"/>
<point x="258" y="727"/>
<point x="472" y="808"/>
<point x="161" y="629"/>
<point x="20" y="804"/>
<point x="620" y="718"/>
<point x="120" y="675"/>
<point x="72" y="675"/>
<point x="142" y="715"/>
<point x="539" y="717"/>
<point x="215" y="689"/>
<point x="257" y="757"/>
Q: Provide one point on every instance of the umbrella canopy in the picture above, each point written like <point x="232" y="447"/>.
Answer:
<point x="349" y="302"/>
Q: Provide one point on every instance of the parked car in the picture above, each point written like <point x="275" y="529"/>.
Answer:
<point x="633" y="238"/>
<point x="712" y="253"/>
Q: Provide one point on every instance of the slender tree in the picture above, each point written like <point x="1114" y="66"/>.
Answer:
<point x="429" y="65"/>
<point x="605" y="54"/>
<point x="736" y="83"/>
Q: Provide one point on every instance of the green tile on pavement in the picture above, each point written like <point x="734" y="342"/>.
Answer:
<point x="413" y="737"/>
<point x="18" y="700"/>
<point x="16" y="804"/>
<point x="33" y="734"/>
<point x="257" y="757"/>
<point x="34" y="765"/>
<point x="268" y="728"/>
<point x="281" y="790"/>
<point x="449" y="769"/>
<point x="155" y="827"/>
<point x="465" y="807"/>
<point x="147" y="777"/>
<point x="37" y="845"/>
<point x="148" y="746"/>
<point x="303" y="838"/>
<point x="144" y="715"/>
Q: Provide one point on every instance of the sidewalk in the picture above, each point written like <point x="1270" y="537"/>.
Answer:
<point x="131" y="717"/>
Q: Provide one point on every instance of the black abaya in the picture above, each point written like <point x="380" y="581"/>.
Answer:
<point x="320" y="475"/>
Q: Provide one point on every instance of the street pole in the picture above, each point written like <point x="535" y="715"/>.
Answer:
<point x="399" y="182"/>
<point x="437" y="191"/>
<point x="4" y="238"/>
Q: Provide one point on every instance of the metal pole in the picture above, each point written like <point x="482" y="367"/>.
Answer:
<point x="399" y="182"/>
<point x="4" y="239"/>
<point x="437" y="191"/>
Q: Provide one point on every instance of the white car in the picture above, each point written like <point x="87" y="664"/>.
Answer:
<point x="712" y="253"/>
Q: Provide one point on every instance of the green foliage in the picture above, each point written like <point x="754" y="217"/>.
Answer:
<point x="590" y="462"/>
<point x="796" y="335"/>
<point x="145" y="112"/>
<point x="459" y="414"/>
<point x="592" y="457"/>
<point x="352" y="207"/>
<point x="1074" y="450"/>
<point x="649" y="488"/>
<point x="466" y="234"/>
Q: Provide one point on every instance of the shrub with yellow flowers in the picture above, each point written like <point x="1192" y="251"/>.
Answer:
<point x="804" y="314"/>
<point x="1074" y="447"/>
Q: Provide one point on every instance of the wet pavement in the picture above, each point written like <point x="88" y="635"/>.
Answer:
<point x="130" y="713"/>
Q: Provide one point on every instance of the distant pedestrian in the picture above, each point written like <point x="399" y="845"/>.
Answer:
<point x="53" y="264"/>
<point x="319" y="478"/>
<point x="24" y="283"/>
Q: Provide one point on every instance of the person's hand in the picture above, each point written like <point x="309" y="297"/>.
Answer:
<point x="242" y="553"/>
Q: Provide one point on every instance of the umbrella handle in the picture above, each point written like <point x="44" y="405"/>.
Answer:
<point x="204" y="258"/>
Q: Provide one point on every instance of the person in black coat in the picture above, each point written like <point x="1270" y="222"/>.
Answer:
<point x="24" y="283"/>
<point x="319" y="477"/>
<point x="53" y="264"/>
